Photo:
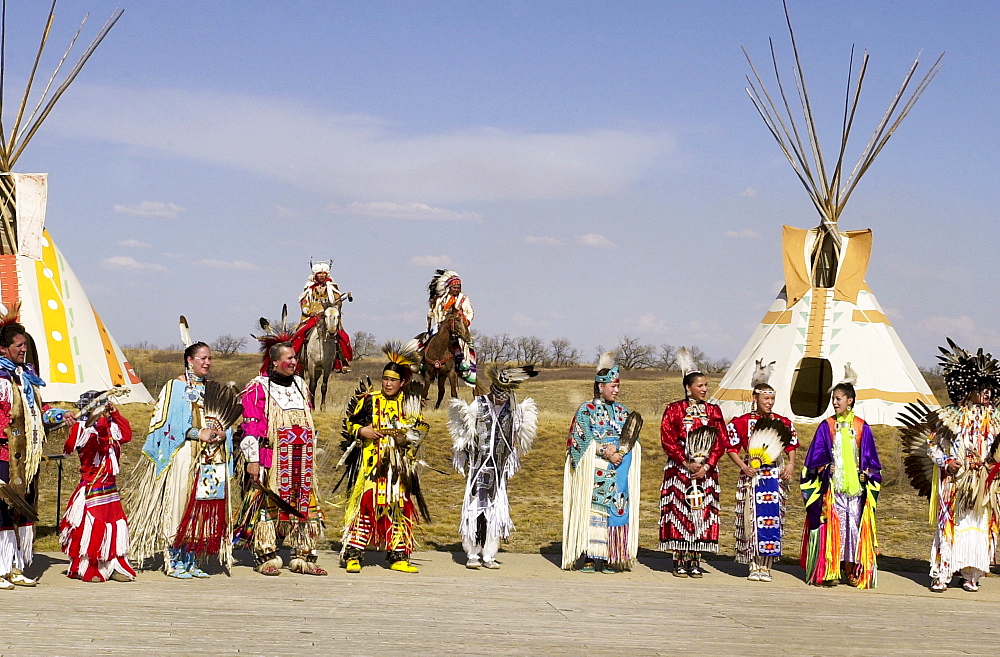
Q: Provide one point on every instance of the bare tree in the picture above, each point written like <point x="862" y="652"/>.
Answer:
<point x="667" y="358"/>
<point x="227" y="345"/>
<point x="495" y="348"/>
<point x="562" y="353"/>
<point x="529" y="349"/>
<point x="634" y="355"/>
<point x="364" y="344"/>
<point x="141" y="345"/>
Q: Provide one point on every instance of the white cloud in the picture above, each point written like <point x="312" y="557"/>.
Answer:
<point x="128" y="263"/>
<point x="528" y="323"/>
<point x="431" y="261"/>
<point x="745" y="234"/>
<point x="133" y="244"/>
<point x="361" y="155"/>
<point x="231" y="265"/>
<point x="596" y="241"/>
<point x="151" y="209"/>
<point x="412" y="211"/>
<point x="749" y="191"/>
<point x="542" y="241"/>
<point x="963" y="330"/>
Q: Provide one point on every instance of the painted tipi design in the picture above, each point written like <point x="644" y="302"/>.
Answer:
<point x="826" y="325"/>
<point x="74" y="349"/>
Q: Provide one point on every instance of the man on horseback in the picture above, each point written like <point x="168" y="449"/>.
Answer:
<point x="321" y="298"/>
<point x="446" y="297"/>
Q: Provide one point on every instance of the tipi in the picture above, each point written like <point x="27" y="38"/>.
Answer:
<point x="75" y="351"/>
<point x="826" y="325"/>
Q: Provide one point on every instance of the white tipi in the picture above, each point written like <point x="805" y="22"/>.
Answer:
<point x="74" y="349"/>
<point x="826" y="325"/>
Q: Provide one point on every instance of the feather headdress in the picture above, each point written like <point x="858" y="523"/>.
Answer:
<point x="403" y="357"/>
<point x="965" y="372"/>
<point x="850" y="378"/>
<point x="440" y="282"/>
<point x="9" y="316"/>
<point x="509" y="378"/>
<point x="685" y="361"/>
<point x="321" y="266"/>
<point x="275" y="332"/>
<point x="607" y="362"/>
<point x="769" y="439"/>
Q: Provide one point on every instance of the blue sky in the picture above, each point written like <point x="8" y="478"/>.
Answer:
<point x="591" y="169"/>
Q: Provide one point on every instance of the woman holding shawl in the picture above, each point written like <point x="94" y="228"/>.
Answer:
<point x="841" y="480"/>
<point x="762" y="444"/>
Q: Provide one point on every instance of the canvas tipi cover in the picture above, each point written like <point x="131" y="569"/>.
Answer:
<point x="75" y="351"/>
<point x="818" y="336"/>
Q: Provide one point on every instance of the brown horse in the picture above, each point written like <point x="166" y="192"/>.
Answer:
<point x="439" y="359"/>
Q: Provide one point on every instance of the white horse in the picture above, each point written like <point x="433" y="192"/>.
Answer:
<point x="321" y="350"/>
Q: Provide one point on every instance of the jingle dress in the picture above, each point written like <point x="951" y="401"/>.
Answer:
<point x="684" y="527"/>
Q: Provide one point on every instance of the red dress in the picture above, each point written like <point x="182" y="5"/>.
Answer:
<point x="683" y="528"/>
<point x="94" y="531"/>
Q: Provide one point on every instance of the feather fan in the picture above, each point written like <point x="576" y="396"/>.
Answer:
<point x="700" y="442"/>
<point x="631" y="429"/>
<point x="767" y="442"/>
<point x="222" y="404"/>
<point x="914" y="436"/>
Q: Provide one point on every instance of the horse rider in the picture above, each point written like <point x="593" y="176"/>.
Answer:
<point x="320" y="293"/>
<point x="446" y="296"/>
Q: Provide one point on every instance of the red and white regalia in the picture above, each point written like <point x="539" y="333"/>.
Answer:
<point x="683" y="525"/>
<point x="93" y="531"/>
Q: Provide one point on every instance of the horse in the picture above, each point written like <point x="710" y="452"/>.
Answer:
<point x="321" y="350"/>
<point x="439" y="359"/>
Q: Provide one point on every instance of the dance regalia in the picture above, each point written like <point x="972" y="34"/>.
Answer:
<point x="966" y="522"/>
<point x="314" y="301"/>
<point x="281" y="437"/>
<point x="489" y="441"/>
<point x="840" y="502"/>
<point x="164" y="483"/>
<point x="23" y="418"/>
<point x="600" y="500"/>
<point x="380" y="509"/>
<point x="93" y="531"/>
<point x="760" y="500"/>
<point x="465" y="353"/>
<point x="683" y="528"/>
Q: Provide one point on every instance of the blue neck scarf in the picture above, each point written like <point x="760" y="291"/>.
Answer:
<point x="23" y="375"/>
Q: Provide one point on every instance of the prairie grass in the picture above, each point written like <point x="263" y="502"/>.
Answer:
<point x="536" y="491"/>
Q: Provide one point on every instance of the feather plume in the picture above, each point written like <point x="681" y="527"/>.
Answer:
<point x="606" y="361"/>
<point x="273" y="334"/>
<point x="10" y="314"/>
<point x="965" y="372"/>
<point x="685" y="362"/>
<point x="185" y="332"/>
<point x="407" y="353"/>
<point x="700" y="442"/>
<point x="762" y="373"/>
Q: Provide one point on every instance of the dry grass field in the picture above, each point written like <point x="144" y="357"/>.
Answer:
<point x="536" y="492"/>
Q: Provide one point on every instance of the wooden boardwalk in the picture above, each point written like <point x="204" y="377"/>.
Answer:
<point x="528" y="607"/>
